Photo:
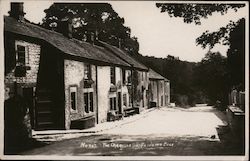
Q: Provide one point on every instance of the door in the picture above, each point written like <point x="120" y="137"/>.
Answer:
<point x="44" y="110"/>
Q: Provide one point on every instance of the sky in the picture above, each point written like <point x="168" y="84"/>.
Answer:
<point x="158" y="34"/>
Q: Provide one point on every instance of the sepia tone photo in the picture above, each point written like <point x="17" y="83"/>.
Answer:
<point x="125" y="79"/>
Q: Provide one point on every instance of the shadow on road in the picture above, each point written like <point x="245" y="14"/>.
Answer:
<point x="233" y="143"/>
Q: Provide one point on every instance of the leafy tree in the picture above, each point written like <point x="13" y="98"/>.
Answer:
<point x="222" y="36"/>
<point x="233" y="34"/>
<point x="192" y="12"/>
<point x="211" y="76"/>
<point x="236" y="56"/>
<point x="98" y="18"/>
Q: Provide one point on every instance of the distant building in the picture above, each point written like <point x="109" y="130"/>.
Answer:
<point x="159" y="90"/>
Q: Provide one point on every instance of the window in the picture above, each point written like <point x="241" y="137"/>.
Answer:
<point x="130" y="101"/>
<point x="162" y="100"/>
<point x="112" y="103"/>
<point x="125" y="100"/>
<point x="112" y="75"/>
<point x="73" y="98"/>
<point x="123" y="76"/>
<point x="20" y="55"/>
<point x="88" y="102"/>
<point x="143" y="101"/>
<point x="87" y="71"/>
<point x="129" y="76"/>
<point x="166" y="99"/>
<point x="21" y="59"/>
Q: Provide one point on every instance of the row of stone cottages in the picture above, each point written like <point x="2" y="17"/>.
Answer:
<point x="67" y="83"/>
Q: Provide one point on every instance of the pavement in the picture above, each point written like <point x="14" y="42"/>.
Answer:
<point x="59" y="135"/>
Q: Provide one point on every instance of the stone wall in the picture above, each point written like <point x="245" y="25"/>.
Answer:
<point x="141" y="98"/>
<point x="74" y="77"/>
<point x="32" y="60"/>
<point x="103" y="86"/>
<point x="161" y="90"/>
<point x="167" y="92"/>
<point x="154" y="90"/>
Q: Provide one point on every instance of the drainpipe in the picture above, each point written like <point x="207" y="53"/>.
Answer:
<point x="132" y="86"/>
<point x="157" y="91"/>
<point x="97" y="121"/>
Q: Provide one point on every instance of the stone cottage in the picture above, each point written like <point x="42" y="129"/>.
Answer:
<point x="159" y="90"/>
<point x="66" y="83"/>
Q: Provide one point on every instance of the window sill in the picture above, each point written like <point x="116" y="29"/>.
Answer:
<point x="73" y="111"/>
<point x="87" y="90"/>
<point x="90" y="114"/>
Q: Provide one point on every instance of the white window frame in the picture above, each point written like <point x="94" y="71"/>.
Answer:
<point x="114" y="103"/>
<point x="18" y="43"/>
<point x="125" y="96"/>
<point x="88" y="91"/>
<point x="89" y="71"/>
<point x="73" y="88"/>
<point x="113" y="69"/>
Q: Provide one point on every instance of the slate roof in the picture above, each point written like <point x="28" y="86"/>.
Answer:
<point x="69" y="46"/>
<point x="154" y="75"/>
<point x="124" y="56"/>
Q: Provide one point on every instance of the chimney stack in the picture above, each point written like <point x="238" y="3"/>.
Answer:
<point x="16" y="11"/>
<point x="119" y="43"/>
<point x="65" y="27"/>
<point x="90" y="37"/>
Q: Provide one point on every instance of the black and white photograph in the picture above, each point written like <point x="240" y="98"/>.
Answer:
<point x="124" y="80"/>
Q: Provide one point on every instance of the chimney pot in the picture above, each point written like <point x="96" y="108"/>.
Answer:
<point x="16" y="10"/>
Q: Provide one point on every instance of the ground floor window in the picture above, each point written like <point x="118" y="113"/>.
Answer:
<point x="124" y="100"/>
<point x="73" y="98"/>
<point x="166" y="99"/>
<point x="88" y="102"/>
<point x="112" y="103"/>
<point x="162" y="100"/>
<point x="130" y="101"/>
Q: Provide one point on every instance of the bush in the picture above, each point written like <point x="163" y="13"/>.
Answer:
<point x="17" y="128"/>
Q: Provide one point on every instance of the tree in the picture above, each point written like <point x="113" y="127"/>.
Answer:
<point x="233" y="34"/>
<point x="192" y="12"/>
<point x="98" y="18"/>
<point x="222" y="36"/>
<point x="211" y="77"/>
<point x="236" y="56"/>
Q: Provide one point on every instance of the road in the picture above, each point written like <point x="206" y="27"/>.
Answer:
<point x="163" y="131"/>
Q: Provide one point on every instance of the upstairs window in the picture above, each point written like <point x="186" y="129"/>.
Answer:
<point x="112" y="75"/>
<point x="21" y="59"/>
<point x="20" y="55"/>
<point x="129" y="76"/>
<point x="87" y="71"/>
